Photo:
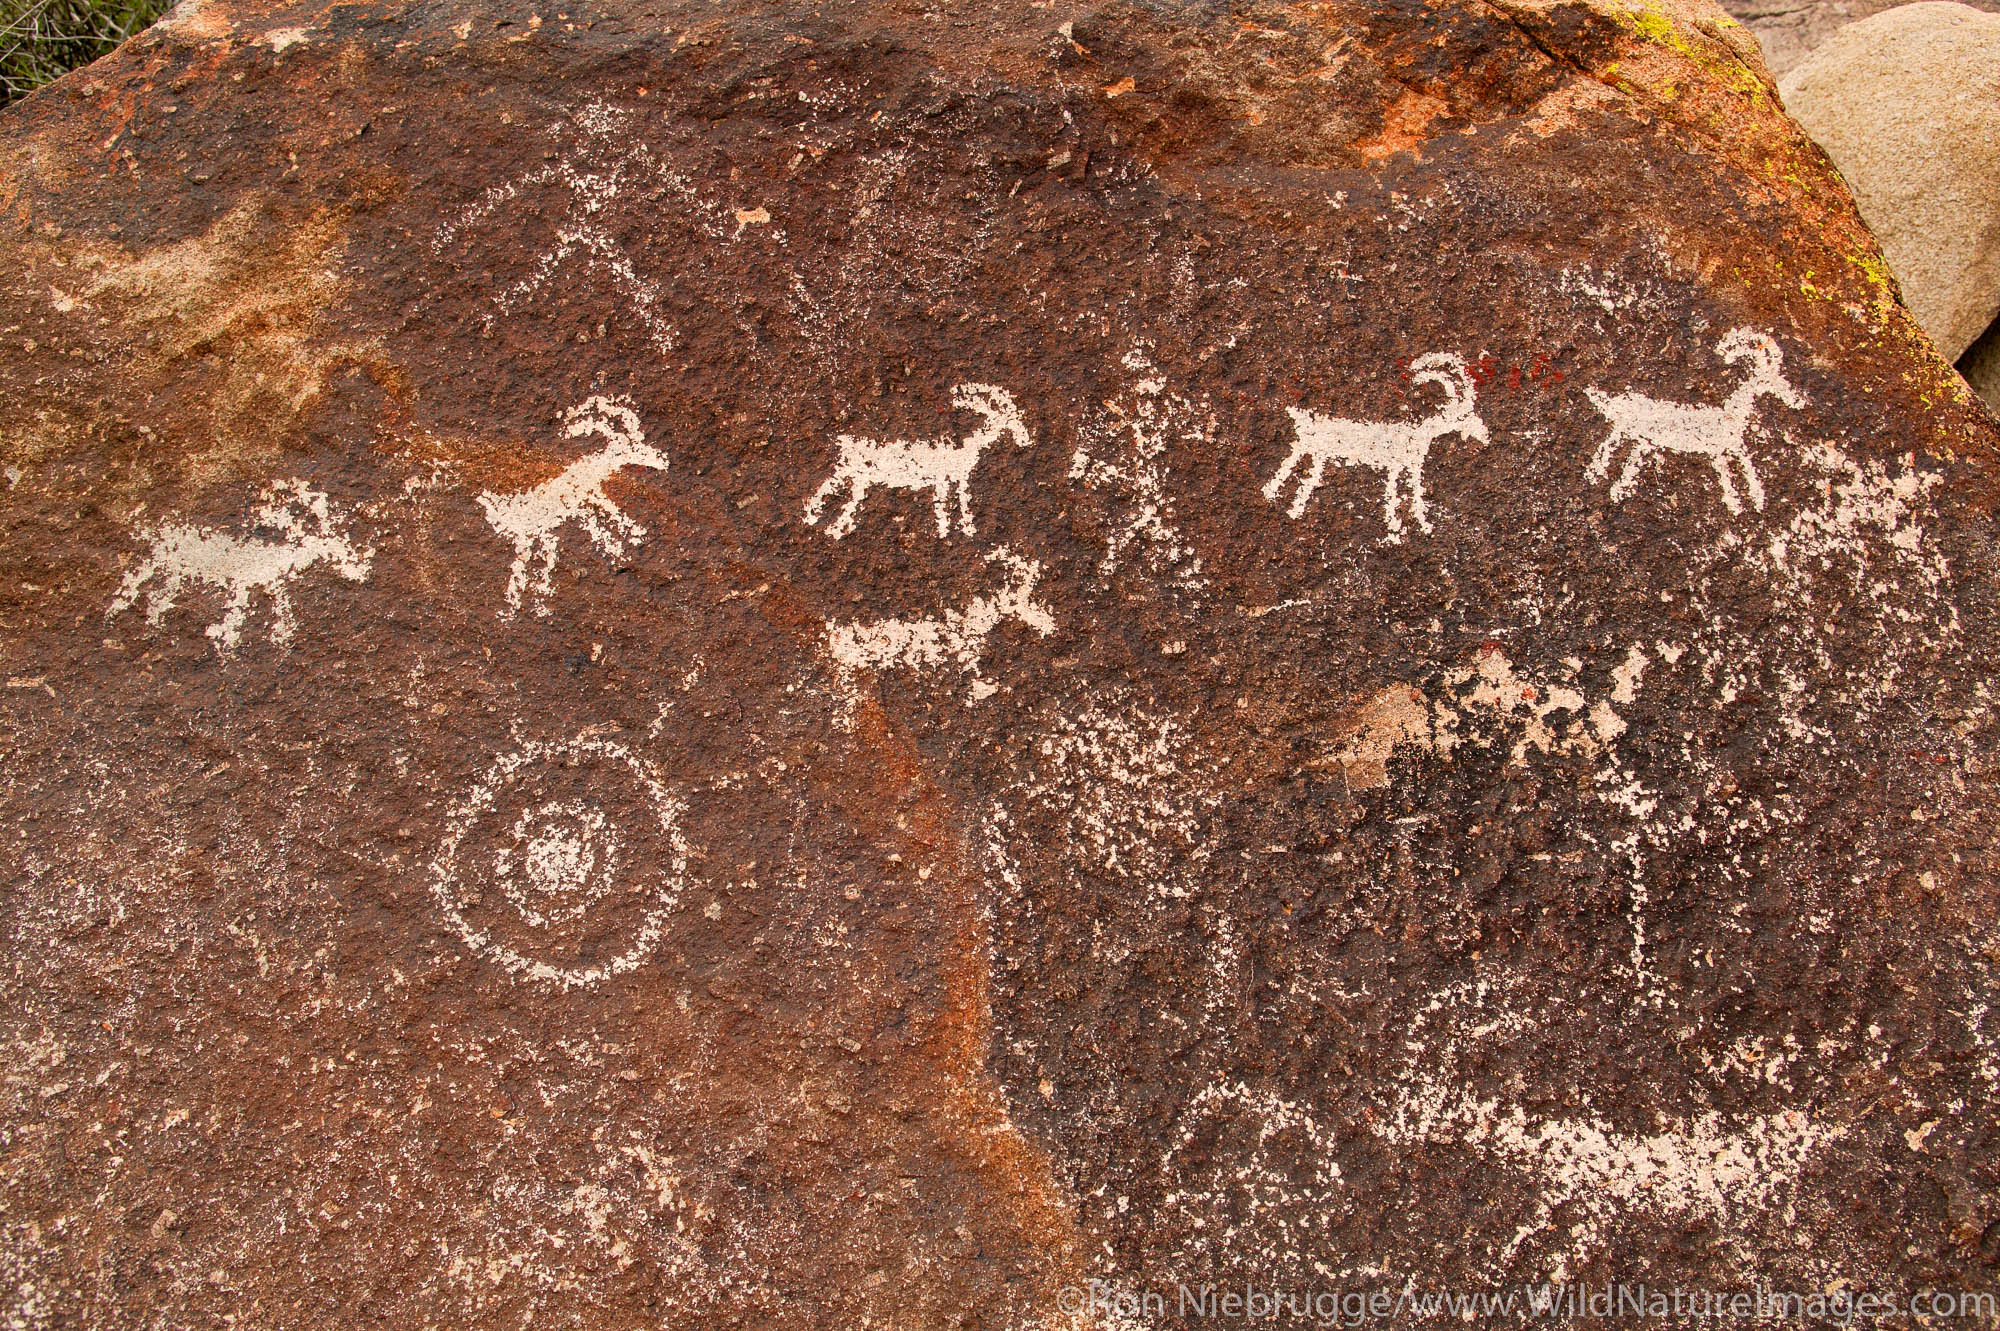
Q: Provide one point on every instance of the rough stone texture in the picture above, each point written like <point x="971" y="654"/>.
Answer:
<point x="1981" y="367"/>
<point x="476" y="855"/>
<point x="1790" y="30"/>
<point x="1908" y="106"/>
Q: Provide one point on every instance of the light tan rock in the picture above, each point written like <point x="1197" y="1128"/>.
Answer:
<point x="1790" y="30"/>
<point x="1907" y="104"/>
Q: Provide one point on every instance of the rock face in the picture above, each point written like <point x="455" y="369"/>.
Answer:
<point x="1908" y="106"/>
<point x="857" y="666"/>
<point x="1790" y="30"/>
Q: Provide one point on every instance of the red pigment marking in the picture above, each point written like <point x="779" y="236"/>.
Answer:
<point x="1485" y="372"/>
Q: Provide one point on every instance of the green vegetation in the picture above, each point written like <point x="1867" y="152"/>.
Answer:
<point x="42" y="40"/>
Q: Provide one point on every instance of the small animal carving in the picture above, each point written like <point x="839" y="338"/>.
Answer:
<point x="957" y="638"/>
<point x="1396" y="448"/>
<point x="1652" y="427"/>
<point x="941" y="466"/>
<point x="292" y="531"/>
<point x="533" y="519"/>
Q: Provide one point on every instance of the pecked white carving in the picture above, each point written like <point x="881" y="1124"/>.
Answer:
<point x="1124" y="454"/>
<point x="941" y="466"/>
<point x="608" y="162"/>
<point x="533" y="519"/>
<point x="1653" y="427"/>
<point x="292" y="531"/>
<point x="957" y="638"/>
<point x="1396" y="448"/>
<point x="560" y="858"/>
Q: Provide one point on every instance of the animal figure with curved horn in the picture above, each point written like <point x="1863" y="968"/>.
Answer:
<point x="1396" y="448"/>
<point x="958" y="637"/>
<point x="293" y="530"/>
<point x="1653" y="427"/>
<point x="938" y="465"/>
<point x="533" y="519"/>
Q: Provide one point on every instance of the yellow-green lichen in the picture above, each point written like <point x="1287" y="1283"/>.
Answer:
<point x="1877" y="272"/>
<point x="1873" y="271"/>
<point x="1656" y="27"/>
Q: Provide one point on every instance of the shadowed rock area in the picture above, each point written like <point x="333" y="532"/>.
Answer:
<point x="824" y="667"/>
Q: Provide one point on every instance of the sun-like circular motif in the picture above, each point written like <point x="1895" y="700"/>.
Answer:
<point x="563" y="862"/>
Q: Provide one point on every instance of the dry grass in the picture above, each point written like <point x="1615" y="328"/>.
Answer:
<point x="41" y="40"/>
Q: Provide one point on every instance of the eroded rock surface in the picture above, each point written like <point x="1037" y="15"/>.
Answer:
<point x="849" y="666"/>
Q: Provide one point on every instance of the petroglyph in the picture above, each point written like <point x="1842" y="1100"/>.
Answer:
<point x="1861" y="499"/>
<point x="942" y="466"/>
<point x="1492" y="688"/>
<point x="1703" y="1166"/>
<point x="1398" y="449"/>
<point x="1488" y="691"/>
<point x="608" y="164"/>
<point x="582" y="839"/>
<point x="1652" y="428"/>
<point x="1127" y="457"/>
<point x="533" y="519"/>
<point x="955" y="639"/>
<point x="1130" y="787"/>
<point x="1483" y="703"/>
<point x="1238" y="1149"/>
<point x="680" y="899"/>
<point x="292" y="531"/>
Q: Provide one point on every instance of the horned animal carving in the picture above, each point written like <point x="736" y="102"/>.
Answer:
<point x="533" y="519"/>
<point x="1396" y="448"/>
<point x="956" y="638"/>
<point x="1652" y="427"/>
<point x="938" y="465"/>
<point x="291" y="531"/>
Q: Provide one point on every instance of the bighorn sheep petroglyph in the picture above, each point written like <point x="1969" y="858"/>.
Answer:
<point x="1652" y="427"/>
<point x="937" y="465"/>
<point x="958" y="637"/>
<point x="1397" y="448"/>
<point x="533" y="519"/>
<point x="290" y="532"/>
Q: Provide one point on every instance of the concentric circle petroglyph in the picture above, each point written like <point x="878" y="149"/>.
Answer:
<point x="563" y="862"/>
